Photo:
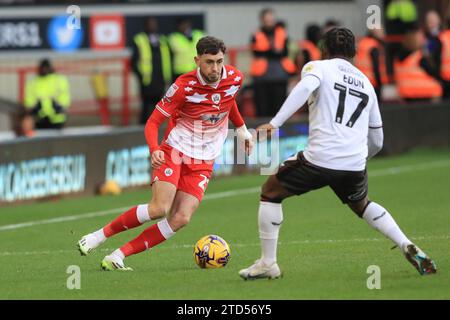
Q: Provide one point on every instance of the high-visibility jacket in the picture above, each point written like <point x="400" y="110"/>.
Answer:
<point x="405" y="10"/>
<point x="445" y="62"/>
<point x="363" y="60"/>
<point x="314" y="52"/>
<point x="145" y="62"/>
<point x="184" y="51"/>
<point x="49" y="89"/>
<point x="412" y="81"/>
<point x="260" y="64"/>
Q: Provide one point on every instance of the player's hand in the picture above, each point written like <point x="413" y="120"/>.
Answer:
<point x="157" y="158"/>
<point x="265" y="131"/>
<point x="249" y="144"/>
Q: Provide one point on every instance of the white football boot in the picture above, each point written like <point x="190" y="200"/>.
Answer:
<point x="114" y="262"/>
<point x="259" y="270"/>
<point x="88" y="243"/>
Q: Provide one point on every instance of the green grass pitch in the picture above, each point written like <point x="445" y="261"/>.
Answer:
<point x="324" y="249"/>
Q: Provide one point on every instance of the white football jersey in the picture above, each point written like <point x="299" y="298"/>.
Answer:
<point x="341" y="110"/>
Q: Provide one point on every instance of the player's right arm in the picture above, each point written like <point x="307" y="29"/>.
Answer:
<point x="311" y="78"/>
<point x="172" y="100"/>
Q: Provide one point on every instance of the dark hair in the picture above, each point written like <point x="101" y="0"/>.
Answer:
<point x="339" y="42"/>
<point x="313" y="33"/>
<point x="332" y="23"/>
<point x="210" y="45"/>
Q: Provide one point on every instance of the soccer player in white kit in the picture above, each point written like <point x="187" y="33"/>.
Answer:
<point x="345" y="129"/>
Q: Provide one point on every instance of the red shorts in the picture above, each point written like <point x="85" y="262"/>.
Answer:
<point x="187" y="174"/>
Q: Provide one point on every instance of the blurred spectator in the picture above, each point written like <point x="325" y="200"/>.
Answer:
<point x="400" y="16"/>
<point x="47" y="97"/>
<point x="370" y="59"/>
<point x="271" y="67"/>
<point x="309" y="48"/>
<point x="182" y="43"/>
<point x="330" y="24"/>
<point x="445" y="61"/>
<point x="23" y="124"/>
<point x="151" y="62"/>
<point x="433" y="45"/>
<point x="415" y="77"/>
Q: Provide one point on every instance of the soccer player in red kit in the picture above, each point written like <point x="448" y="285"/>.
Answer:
<point x="198" y="106"/>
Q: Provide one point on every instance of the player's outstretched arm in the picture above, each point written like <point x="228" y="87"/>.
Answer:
<point x="241" y="129"/>
<point x="151" y="136"/>
<point x="296" y="99"/>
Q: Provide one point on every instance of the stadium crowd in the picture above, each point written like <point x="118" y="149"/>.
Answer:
<point x="410" y="54"/>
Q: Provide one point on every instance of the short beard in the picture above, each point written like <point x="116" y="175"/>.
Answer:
<point x="208" y="80"/>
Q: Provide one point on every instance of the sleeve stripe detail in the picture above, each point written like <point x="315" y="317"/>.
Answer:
<point x="375" y="127"/>
<point x="162" y="111"/>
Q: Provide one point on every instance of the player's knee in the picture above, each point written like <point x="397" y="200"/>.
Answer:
<point x="270" y="194"/>
<point x="359" y="207"/>
<point x="157" y="210"/>
<point x="179" y="220"/>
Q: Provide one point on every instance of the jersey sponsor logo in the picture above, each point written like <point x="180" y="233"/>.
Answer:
<point x="215" y="98"/>
<point x="171" y="91"/>
<point x="168" y="172"/>
<point x="213" y="118"/>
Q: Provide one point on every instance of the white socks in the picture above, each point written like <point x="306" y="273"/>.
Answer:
<point x="142" y="213"/>
<point x="165" y="228"/>
<point x="380" y="219"/>
<point x="270" y="217"/>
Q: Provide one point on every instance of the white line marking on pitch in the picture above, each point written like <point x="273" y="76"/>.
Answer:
<point x="219" y="195"/>
<point x="184" y="246"/>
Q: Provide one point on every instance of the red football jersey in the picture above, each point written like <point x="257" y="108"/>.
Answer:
<point x="199" y="112"/>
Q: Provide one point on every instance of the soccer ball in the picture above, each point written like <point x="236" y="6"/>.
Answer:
<point x="211" y="252"/>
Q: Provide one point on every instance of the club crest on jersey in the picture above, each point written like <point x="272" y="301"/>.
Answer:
<point x="168" y="172"/>
<point x="215" y="98"/>
<point x="171" y="91"/>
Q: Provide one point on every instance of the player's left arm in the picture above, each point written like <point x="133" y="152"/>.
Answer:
<point x="239" y="123"/>
<point x="375" y="136"/>
<point x="241" y="129"/>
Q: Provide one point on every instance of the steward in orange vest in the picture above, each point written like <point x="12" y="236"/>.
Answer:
<point x="413" y="78"/>
<point x="271" y="67"/>
<point x="308" y="48"/>
<point x="370" y="59"/>
<point x="415" y="74"/>
<point x="445" y="61"/>
<point x="270" y="45"/>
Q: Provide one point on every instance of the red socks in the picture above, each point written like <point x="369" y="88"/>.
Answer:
<point x="123" y="222"/>
<point x="147" y="239"/>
